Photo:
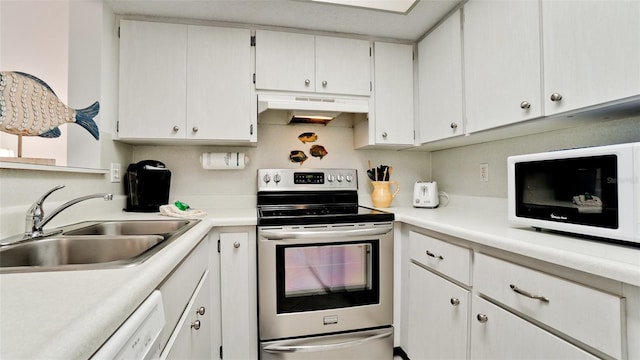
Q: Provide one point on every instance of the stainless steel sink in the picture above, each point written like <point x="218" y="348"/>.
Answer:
<point x="93" y="245"/>
<point x="134" y="227"/>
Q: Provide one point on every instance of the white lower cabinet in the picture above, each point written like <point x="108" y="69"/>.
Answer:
<point x="236" y="257"/>
<point x="588" y="315"/>
<point x="184" y="292"/>
<point x="499" y="334"/>
<point x="192" y="337"/>
<point x="438" y="317"/>
<point x="470" y="302"/>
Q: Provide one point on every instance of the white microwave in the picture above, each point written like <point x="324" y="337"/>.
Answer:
<point x="592" y="191"/>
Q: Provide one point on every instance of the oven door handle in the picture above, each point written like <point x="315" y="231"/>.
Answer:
<point x="279" y="234"/>
<point x="313" y="348"/>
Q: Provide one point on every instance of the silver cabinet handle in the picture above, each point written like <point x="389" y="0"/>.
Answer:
<point x="278" y="234"/>
<point x="201" y="310"/>
<point x="454" y="125"/>
<point x="482" y="318"/>
<point x="384" y="135"/>
<point x="195" y="129"/>
<point x="525" y="105"/>
<point x="429" y="253"/>
<point x="307" y="82"/>
<point x="195" y="325"/>
<point x="455" y="301"/>
<point x="176" y="128"/>
<point x="236" y="244"/>
<point x="528" y="294"/>
<point x="324" y="83"/>
<point x="556" y="97"/>
<point x="313" y="348"/>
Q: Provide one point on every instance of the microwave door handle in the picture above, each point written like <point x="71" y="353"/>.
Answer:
<point x="280" y="234"/>
<point x="313" y="348"/>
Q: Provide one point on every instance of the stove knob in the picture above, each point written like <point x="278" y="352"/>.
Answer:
<point x="330" y="178"/>
<point x="349" y="178"/>
<point x="266" y="178"/>
<point x="340" y="178"/>
<point x="277" y="178"/>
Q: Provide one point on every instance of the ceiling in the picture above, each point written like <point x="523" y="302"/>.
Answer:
<point x="297" y="14"/>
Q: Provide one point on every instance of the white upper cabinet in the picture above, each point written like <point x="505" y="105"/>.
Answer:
<point x="440" y="82"/>
<point x="184" y="82"/>
<point x="390" y="123"/>
<point x="219" y="84"/>
<point x="393" y="93"/>
<point x="501" y="63"/>
<point x="153" y="80"/>
<point x="308" y="63"/>
<point x="591" y="52"/>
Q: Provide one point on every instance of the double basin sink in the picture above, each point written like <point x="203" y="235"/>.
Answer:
<point x="93" y="245"/>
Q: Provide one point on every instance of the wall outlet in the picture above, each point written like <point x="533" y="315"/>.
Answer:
<point x="484" y="172"/>
<point x="115" y="172"/>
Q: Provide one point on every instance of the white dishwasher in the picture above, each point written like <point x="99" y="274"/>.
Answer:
<point x="139" y="336"/>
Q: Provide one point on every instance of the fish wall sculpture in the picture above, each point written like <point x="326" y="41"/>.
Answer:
<point x="29" y="107"/>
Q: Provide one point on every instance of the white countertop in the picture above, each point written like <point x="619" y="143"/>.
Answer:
<point x="484" y="221"/>
<point x="69" y="314"/>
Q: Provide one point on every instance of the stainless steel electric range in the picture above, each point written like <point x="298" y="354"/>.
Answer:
<point x="325" y="268"/>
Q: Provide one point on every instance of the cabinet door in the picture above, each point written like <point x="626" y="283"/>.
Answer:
<point x="219" y="81"/>
<point x="438" y="317"/>
<point x="343" y="66"/>
<point x="238" y="296"/>
<point x="153" y="78"/>
<point x="192" y="339"/>
<point x="393" y="75"/>
<point x="501" y="62"/>
<point x="440" y="82"/>
<point x="591" y="52"/>
<point x="498" y="334"/>
<point x="285" y="61"/>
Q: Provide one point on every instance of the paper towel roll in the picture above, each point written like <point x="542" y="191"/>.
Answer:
<point x="224" y="161"/>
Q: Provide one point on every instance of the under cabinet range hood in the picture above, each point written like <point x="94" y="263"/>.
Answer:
<point x="312" y="108"/>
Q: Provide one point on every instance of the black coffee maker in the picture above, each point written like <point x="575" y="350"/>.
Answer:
<point x="147" y="186"/>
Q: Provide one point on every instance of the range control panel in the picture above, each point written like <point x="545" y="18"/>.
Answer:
<point x="307" y="179"/>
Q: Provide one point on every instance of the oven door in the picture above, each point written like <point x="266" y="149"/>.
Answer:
<point x="324" y="278"/>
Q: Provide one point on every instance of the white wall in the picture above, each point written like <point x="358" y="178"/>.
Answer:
<point x="34" y="38"/>
<point x="457" y="170"/>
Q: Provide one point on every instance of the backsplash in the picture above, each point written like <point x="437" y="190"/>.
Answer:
<point x="457" y="170"/>
<point x="275" y="142"/>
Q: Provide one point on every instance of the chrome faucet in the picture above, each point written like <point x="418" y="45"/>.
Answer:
<point x="35" y="219"/>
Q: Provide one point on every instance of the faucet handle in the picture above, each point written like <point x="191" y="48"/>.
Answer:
<point x="35" y="214"/>
<point x="40" y="201"/>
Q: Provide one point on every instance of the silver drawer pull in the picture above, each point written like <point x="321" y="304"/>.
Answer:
<point x="195" y="325"/>
<point x="429" y="253"/>
<point x="528" y="294"/>
<point x="482" y="318"/>
<point x="454" y="301"/>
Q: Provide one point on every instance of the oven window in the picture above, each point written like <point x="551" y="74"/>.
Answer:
<point x="327" y="276"/>
<point x="577" y="190"/>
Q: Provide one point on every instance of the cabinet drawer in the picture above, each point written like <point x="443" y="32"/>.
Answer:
<point x="498" y="334"/>
<point x="180" y="285"/>
<point x="591" y="316"/>
<point x="448" y="259"/>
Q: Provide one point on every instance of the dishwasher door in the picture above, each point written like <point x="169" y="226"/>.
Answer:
<point x="138" y="338"/>
<point x="367" y="344"/>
